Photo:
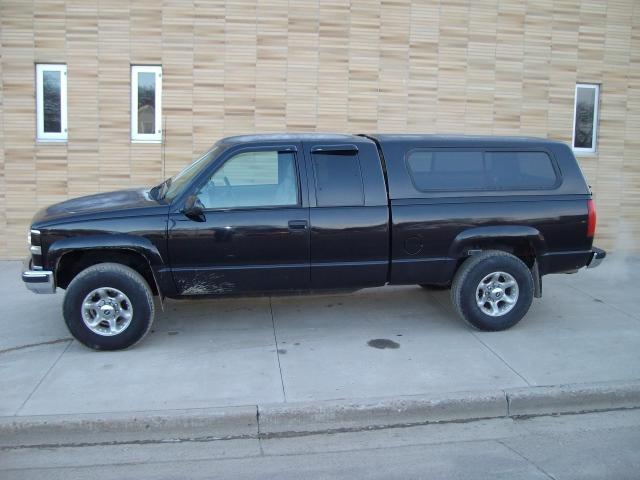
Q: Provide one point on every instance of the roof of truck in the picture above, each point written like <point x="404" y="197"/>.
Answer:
<point x="459" y="140"/>
<point x="392" y="138"/>
<point x="294" y="137"/>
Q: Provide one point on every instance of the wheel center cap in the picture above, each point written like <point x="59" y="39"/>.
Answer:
<point x="497" y="293"/>
<point x="107" y="311"/>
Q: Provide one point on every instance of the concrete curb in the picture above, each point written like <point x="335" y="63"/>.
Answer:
<point x="291" y="419"/>
<point x="576" y="398"/>
<point x="129" y="427"/>
<point x="376" y="413"/>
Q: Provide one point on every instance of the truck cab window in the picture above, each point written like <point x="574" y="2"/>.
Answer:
<point x="338" y="179"/>
<point x="253" y="179"/>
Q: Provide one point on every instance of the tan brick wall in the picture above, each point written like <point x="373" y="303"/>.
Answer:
<point x="230" y="67"/>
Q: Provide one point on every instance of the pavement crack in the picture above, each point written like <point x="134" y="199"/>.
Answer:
<point x="39" y="344"/>
<point x="43" y="377"/>
<point x="275" y="338"/>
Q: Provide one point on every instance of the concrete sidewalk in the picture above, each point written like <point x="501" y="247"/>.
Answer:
<point x="283" y="351"/>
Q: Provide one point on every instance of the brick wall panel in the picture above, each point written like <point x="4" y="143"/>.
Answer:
<point x="452" y="65"/>
<point x="3" y="196"/>
<point x="629" y="226"/>
<point x="82" y="97"/>
<point x="481" y="67"/>
<point x="18" y="75"/>
<point x="178" y="18"/>
<point x="238" y="66"/>
<point x="364" y="66"/>
<point x="302" y="65"/>
<point x="114" y="94"/>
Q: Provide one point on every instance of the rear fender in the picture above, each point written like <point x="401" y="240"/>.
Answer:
<point x="474" y="238"/>
<point x="478" y="238"/>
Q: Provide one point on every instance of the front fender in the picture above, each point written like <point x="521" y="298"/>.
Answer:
<point x="505" y="234"/>
<point x="133" y="243"/>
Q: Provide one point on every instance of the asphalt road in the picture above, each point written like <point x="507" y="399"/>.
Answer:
<point x="588" y="446"/>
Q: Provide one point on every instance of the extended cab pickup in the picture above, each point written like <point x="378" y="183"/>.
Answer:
<point x="484" y="216"/>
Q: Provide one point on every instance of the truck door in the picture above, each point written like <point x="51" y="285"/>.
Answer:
<point x="349" y="216"/>
<point x="254" y="232"/>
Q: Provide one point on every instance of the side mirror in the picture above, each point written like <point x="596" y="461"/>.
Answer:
<point x="194" y="209"/>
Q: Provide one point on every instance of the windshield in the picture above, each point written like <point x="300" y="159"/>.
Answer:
<point x="173" y="186"/>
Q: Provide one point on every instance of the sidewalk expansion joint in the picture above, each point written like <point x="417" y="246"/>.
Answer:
<point x="43" y="377"/>
<point x="616" y="308"/>
<point x="275" y="338"/>
<point x="528" y="460"/>
<point x="507" y="398"/>
<point x="499" y="357"/>
<point x="445" y="307"/>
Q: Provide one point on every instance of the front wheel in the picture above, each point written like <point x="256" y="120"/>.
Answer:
<point x="492" y="290"/>
<point x="108" y="306"/>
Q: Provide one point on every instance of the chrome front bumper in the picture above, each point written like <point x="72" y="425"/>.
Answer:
<point x="38" y="281"/>
<point x="597" y="255"/>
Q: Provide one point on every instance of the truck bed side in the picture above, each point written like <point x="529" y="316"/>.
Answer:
<point x="432" y="232"/>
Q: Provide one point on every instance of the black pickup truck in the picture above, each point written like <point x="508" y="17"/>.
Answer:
<point x="484" y="216"/>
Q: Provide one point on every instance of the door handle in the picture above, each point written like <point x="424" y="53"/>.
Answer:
<point x="297" y="224"/>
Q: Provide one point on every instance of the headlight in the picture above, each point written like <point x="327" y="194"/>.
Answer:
<point x="34" y="236"/>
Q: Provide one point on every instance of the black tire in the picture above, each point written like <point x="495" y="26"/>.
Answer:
<point x="435" y="286"/>
<point x="468" y="278"/>
<point x="116" y="276"/>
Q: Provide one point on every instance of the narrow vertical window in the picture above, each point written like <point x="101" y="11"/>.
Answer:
<point x="146" y="103"/>
<point x="585" y="118"/>
<point x="51" y="102"/>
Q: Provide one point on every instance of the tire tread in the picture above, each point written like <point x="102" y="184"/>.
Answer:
<point x="125" y="271"/>
<point x="465" y="270"/>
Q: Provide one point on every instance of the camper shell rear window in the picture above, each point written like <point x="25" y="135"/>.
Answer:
<point x="446" y="169"/>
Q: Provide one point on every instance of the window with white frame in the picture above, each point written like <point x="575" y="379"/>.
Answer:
<point x="585" y="118"/>
<point x="146" y="103"/>
<point x="51" y="102"/>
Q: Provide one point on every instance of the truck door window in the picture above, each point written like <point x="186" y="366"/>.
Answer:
<point x="253" y="179"/>
<point x="338" y="179"/>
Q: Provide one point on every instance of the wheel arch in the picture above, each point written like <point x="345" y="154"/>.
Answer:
<point x="523" y="241"/>
<point x="70" y="256"/>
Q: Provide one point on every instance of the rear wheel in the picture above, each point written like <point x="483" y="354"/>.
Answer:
<point x="492" y="290"/>
<point x="108" y="306"/>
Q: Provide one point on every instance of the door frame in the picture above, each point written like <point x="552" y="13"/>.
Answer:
<point x="296" y="148"/>
<point x="177" y="205"/>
